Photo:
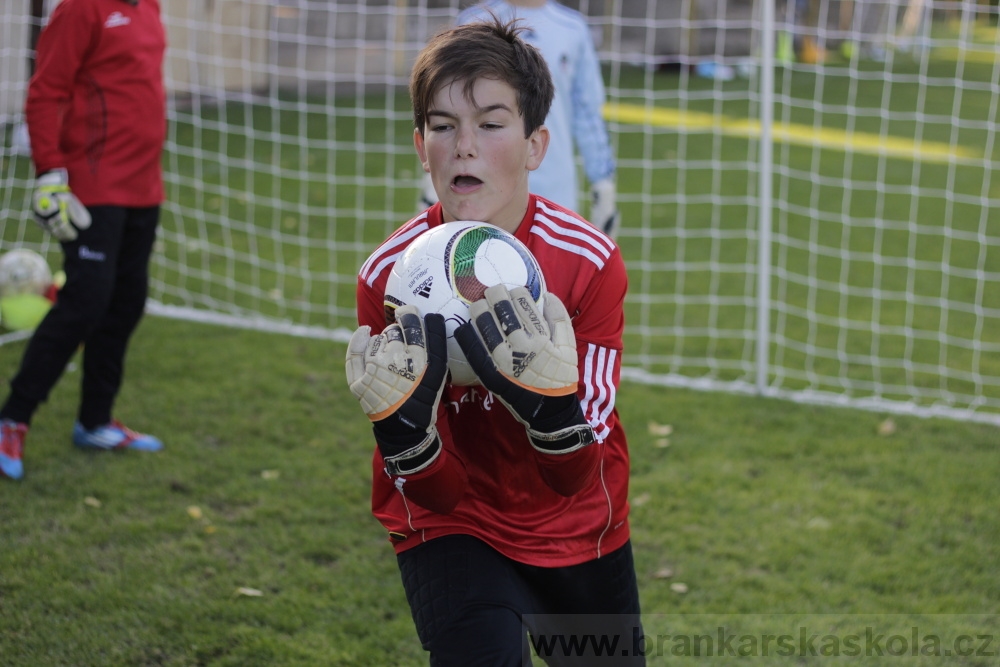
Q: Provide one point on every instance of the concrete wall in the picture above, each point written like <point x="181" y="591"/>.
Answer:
<point x="15" y="31"/>
<point x="231" y="46"/>
<point x="216" y="44"/>
<point x="213" y="44"/>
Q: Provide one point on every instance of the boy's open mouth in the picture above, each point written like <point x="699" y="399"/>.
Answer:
<point x="466" y="181"/>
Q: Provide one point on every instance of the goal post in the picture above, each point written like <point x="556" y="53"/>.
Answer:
<point x="811" y="200"/>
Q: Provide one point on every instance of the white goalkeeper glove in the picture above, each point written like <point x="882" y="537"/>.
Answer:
<point x="528" y="360"/>
<point x="604" y="212"/>
<point x="428" y="195"/>
<point x="398" y="376"/>
<point x="57" y="209"/>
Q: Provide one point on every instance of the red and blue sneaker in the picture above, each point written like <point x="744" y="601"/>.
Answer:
<point x="114" y="435"/>
<point x="12" y="448"/>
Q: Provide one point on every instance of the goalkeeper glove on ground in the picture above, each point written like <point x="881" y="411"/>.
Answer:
<point x="57" y="209"/>
<point x="529" y="362"/>
<point x="604" y="213"/>
<point x="398" y="376"/>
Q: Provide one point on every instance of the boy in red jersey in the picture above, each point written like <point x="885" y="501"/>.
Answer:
<point x="96" y="116"/>
<point x="507" y="502"/>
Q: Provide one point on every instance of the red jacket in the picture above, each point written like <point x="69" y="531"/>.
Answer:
<point x="96" y="103"/>
<point x="488" y="481"/>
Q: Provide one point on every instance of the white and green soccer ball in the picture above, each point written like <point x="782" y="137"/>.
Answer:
<point x="24" y="272"/>
<point x="448" y="267"/>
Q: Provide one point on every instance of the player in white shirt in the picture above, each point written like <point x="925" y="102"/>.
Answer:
<point x="575" y="121"/>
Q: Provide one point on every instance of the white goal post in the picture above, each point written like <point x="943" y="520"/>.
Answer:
<point x="811" y="199"/>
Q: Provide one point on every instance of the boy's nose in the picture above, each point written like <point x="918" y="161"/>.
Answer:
<point x="465" y="144"/>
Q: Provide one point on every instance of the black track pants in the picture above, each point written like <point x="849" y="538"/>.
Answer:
<point x="473" y="606"/>
<point x="107" y="280"/>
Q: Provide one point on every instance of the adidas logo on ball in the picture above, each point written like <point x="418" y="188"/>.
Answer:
<point x="460" y="260"/>
<point x="424" y="288"/>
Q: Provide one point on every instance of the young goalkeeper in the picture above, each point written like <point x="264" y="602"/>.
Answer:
<point x="506" y="503"/>
<point x="96" y="117"/>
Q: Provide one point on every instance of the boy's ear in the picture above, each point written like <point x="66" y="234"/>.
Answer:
<point x="538" y="144"/>
<point x="418" y="143"/>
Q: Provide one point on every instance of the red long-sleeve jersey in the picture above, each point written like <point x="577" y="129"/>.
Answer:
<point x="96" y="103"/>
<point x="488" y="481"/>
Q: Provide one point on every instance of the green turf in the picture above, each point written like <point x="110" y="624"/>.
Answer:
<point x="774" y="515"/>
<point x="771" y="515"/>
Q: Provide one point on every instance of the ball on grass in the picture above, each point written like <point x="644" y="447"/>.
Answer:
<point x="23" y="271"/>
<point x="23" y="311"/>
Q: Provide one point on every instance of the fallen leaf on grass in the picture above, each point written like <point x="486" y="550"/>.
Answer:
<point x="679" y="587"/>
<point x="194" y="512"/>
<point x="887" y="427"/>
<point x="641" y="499"/>
<point x="660" y="429"/>
<point x="91" y="501"/>
<point x="819" y="523"/>
<point x="270" y="474"/>
<point x="663" y="573"/>
<point x="249" y="592"/>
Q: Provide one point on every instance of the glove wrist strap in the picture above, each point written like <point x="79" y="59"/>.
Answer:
<point x="416" y="458"/>
<point x="564" y="440"/>
<point x="557" y="413"/>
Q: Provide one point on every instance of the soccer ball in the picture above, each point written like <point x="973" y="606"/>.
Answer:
<point x="24" y="272"/>
<point x="448" y="267"/>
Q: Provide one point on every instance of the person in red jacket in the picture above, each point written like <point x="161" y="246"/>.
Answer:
<point x="506" y="503"/>
<point x="96" y="118"/>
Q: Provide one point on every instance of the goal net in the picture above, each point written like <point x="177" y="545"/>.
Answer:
<point x="810" y="189"/>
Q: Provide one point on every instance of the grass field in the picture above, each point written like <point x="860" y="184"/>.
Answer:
<point x="770" y="513"/>
<point x="249" y="542"/>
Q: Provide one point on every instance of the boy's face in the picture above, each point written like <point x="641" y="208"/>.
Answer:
<point x="477" y="154"/>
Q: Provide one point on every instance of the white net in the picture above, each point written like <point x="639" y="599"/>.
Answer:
<point x="809" y="192"/>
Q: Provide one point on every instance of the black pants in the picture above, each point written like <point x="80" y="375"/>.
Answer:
<point x="107" y="280"/>
<point x="473" y="606"/>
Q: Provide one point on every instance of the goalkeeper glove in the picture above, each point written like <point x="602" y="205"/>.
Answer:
<point x="57" y="209"/>
<point x="398" y="376"/>
<point x="529" y="363"/>
<point x="604" y="212"/>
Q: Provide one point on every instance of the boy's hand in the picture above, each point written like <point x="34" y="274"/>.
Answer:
<point x="528" y="360"/>
<point x="56" y="209"/>
<point x="604" y="212"/>
<point x="398" y="376"/>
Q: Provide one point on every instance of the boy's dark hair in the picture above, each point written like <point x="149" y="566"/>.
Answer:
<point x="483" y="50"/>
